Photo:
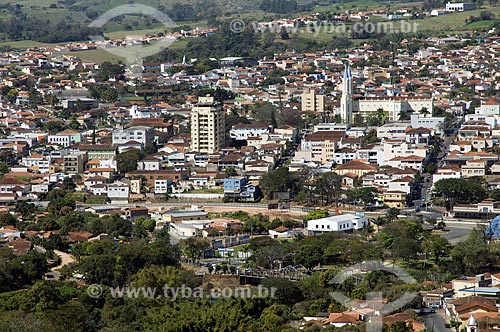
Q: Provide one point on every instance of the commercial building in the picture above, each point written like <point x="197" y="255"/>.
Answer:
<point x="207" y="126"/>
<point x="459" y="7"/>
<point x="339" y="223"/>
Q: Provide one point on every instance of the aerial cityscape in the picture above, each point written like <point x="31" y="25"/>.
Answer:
<point x="274" y="165"/>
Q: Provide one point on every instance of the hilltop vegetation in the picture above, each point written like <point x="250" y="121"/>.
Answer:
<point x="59" y="21"/>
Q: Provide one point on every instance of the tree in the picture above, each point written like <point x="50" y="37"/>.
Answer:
<point x="271" y="255"/>
<point x="279" y="179"/>
<point x="459" y="191"/>
<point x="284" y="34"/>
<point x="365" y="194"/>
<point x="430" y="168"/>
<point x="392" y="214"/>
<point x="309" y="256"/>
<point x="328" y="186"/>
<point x="373" y="121"/>
<point x="424" y="111"/>
<point x="472" y="255"/>
<point x="145" y="223"/>
<point x="158" y="276"/>
<point x="405" y="248"/>
<point x="11" y="95"/>
<point x="230" y="172"/>
<point x="127" y="161"/>
<point x="455" y="324"/>
<point x="285" y="291"/>
<point x="401" y="326"/>
<point x="436" y="246"/>
<point x="402" y="239"/>
<point x="274" y="123"/>
<point x="7" y="219"/>
<point x="495" y="194"/>
<point x="193" y="248"/>
<point x="316" y="214"/>
<point x="4" y="168"/>
<point x="34" y="97"/>
<point x="382" y="115"/>
<point x="486" y="15"/>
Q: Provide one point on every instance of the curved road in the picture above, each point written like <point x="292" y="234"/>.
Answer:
<point x="65" y="259"/>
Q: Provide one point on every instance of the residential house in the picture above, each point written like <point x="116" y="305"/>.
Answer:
<point x="152" y="176"/>
<point x="280" y="232"/>
<point x="149" y="163"/>
<point x="418" y="135"/>
<point x="74" y="163"/>
<point x="447" y="172"/>
<point x="140" y="134"/>
<point x="239" y="188"/>
<point x="118" y="191"/>
<point x="395" y="198"/>
<point x="356" y="167"/>
<point x="474" y="167"/>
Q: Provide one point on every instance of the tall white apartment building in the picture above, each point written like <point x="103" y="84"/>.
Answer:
<point x="207" y="126"/>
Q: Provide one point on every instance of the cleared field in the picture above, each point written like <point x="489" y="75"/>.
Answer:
<point x="355" y="5"/>
<point x="98" y="56"/>
<point x="456" y="21"/>
<point x="143" y="32"/>
<point x="23" y="44"/>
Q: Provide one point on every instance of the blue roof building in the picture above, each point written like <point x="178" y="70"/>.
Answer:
<point x="493" y="230"/>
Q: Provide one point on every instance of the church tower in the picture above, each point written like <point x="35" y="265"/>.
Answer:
<point x="346" y="99"/>
<point x="472" y="325"/>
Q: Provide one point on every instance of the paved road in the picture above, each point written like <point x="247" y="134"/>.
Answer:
<point x="434" y="323"/>
<point x="456" y="233"/>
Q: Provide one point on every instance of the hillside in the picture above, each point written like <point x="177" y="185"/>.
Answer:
<point x="60" y="21"/>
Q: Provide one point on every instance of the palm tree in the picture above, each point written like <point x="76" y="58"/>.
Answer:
<point x="424" y="111"/>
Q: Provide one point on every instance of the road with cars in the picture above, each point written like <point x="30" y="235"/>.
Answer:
<point x="434" y="322"/>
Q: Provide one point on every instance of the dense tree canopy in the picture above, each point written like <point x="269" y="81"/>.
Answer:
<point x="459" y="191"/>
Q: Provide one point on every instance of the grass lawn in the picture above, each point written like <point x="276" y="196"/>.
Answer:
<point x="142" y="32"/>
<point x="359" y="5"/>
<point x="456" y="21"/>
<point x="98" y="56"/>
<point x="23" y="44"/>
<point x="133" y="98"/>
<point x="481" y="24"/>
<point x="96" y="200"/>
<point x="76" y="195"/>
<point x="206" y="191"/>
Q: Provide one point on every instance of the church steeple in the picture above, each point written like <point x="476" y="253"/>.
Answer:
<point x="472" y="325"/>
<point x="346" y="99"/>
